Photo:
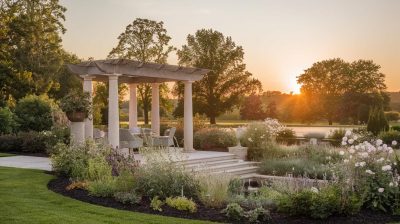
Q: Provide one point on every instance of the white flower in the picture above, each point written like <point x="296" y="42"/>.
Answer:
<point x="255" y="129"/>
<point x="351" y="141"/>
<point x="314" y="189"/>
<point x="344" y="139"/>
<point x="380" y="160"/>
<point x="364" y="155"/>
<point x="381" y="190"/>
<point x="386" y="168"/>
<point x="394" y="143"/>
<point x="390" y="151"/>
<point x="348" y="133"/>
<point x="346" y="161"/>
<point x="355" y="137"/>
<point x="344" y="143"/>
<point x="362" y="164"/>
<point x="391" y="184"/>
<point x="357" y="164"/>
<point x="352" y="151"/>
<point x="250" y="140"/>
<point x="341" y="153"/>
<point x="262" y="136"/>
<point x="370" y="172"/>
<point x="379" y="142"/>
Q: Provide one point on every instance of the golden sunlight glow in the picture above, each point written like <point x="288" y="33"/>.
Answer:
<point x="294" y="86"/>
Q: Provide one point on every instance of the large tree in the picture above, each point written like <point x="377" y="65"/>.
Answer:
<point x="30" y="46"/>
<point x="146" y="41"/>
<point x="227" y="82"/>
<point x="252" y="108"/>
<point x="341" y="88"/>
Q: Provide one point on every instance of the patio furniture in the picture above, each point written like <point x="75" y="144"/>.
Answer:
<point x="167" y="140"/>
<point x="98" y="134"/>
<point x="135" y="130"/>
<point x="128" y="140"/>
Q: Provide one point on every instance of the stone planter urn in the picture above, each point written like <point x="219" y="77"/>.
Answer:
<point x="77" y="119"/>
<point x="239" y="150"/>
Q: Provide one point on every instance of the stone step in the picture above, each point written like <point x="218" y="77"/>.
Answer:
<point x="208" y="159"/>
<point x="240" y="171"/>
<point x="224" y="167"/>
<point x="214" y="163"/>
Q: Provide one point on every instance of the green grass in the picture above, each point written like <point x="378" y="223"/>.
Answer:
<point x="2" y="154"/>
<point x="26" y="199"/>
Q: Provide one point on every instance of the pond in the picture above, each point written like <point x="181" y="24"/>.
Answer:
<point x="302" y="130"/>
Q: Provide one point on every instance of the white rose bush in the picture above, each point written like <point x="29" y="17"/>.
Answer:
<point x="259" y="134"/>
<point x="370" y="169"/>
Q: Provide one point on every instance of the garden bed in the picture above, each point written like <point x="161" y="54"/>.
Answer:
<point x="59" y="185"/>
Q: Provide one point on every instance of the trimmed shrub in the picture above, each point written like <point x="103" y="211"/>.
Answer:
<point x="234" y="212"/>
<point x="286" y="135"/>
<point x="214" y="139"/>
<point x="389" y="136"/>
<point x="182" y="204"/>
<point x="34" y="113"/>
<point x="258" y="215"/>
<point x="7" y="122"/>
<point x="34" y="142"/>
<point x="395" y="128"/>
<point x="392" y="115"/>
<point x="127" y="197"/>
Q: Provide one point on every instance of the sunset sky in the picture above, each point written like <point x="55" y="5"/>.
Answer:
<point x="280" y="38"/>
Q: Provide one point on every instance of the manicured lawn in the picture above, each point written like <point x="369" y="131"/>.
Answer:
<point x="24" y="198"/>
<point x="2" y="154"/>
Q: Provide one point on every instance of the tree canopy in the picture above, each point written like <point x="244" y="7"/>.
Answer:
<point x="339" y="89"/>
<point x="228" y="81"/>
<point x="30" y="47"/>
<point x="146" y="41"/>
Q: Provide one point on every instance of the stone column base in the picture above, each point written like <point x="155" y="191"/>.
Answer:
<point x="239" y="151"/>
<point x="78" y="132"/>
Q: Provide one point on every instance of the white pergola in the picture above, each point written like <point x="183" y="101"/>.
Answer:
<point x="133" y="73"/>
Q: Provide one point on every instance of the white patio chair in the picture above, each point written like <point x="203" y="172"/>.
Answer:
<point x="128" y="140"/>
<point x="167" y="140"/>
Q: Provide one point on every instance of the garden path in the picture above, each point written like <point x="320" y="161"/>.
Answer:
<point x="27" y="162"/>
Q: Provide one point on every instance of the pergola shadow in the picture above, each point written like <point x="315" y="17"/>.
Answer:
<point x="115" y="71"/>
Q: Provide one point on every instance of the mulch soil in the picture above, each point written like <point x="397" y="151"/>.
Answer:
<point x="59" y="185"/>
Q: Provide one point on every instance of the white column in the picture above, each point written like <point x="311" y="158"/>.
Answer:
<point x="132" y="106"/>
<point x="155" y="108"/>
<point x="113" y="111"/>
<point x="188" y="118"/>
<point x="88" y="87"/>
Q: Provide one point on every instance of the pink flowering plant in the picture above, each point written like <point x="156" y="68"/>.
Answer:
<point x="370" y="169"/>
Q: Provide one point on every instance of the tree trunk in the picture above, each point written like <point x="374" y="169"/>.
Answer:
<point x="212" y="120"/>
<point x="146" y="115"/>
<point x="330" y="121"/>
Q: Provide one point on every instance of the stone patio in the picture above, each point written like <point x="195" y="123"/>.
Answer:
<point x="26" y="162"/>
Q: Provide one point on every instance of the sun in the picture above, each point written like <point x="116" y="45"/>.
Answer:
<point x="294" y="87"/>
